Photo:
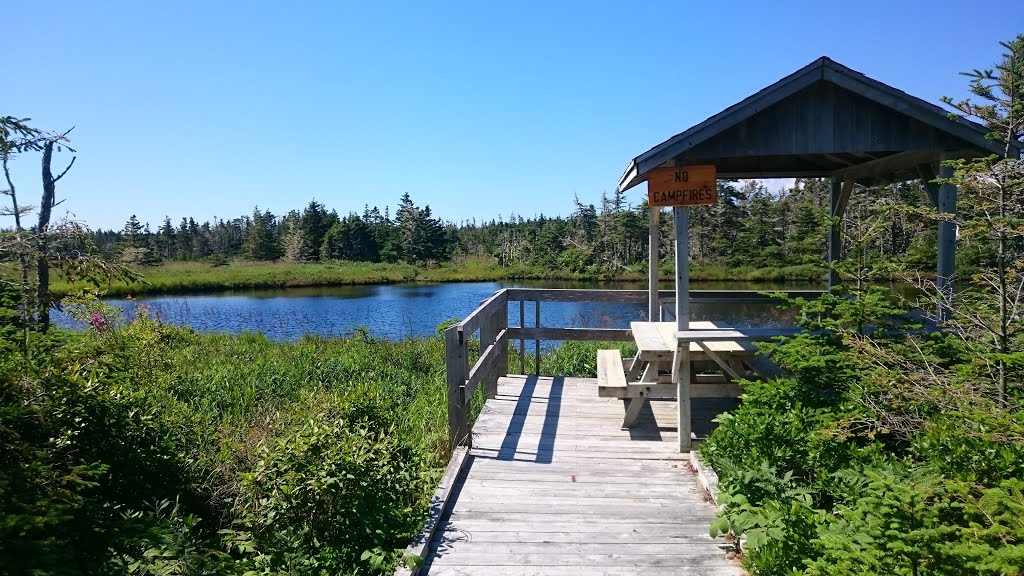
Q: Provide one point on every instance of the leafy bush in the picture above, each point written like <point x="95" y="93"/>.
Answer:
<point x="326" y="494"/>
<point x="81" y="454"/>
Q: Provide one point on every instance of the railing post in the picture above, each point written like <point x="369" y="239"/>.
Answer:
<point x="522" y="342"/>
<point x="536" y="341"/>
<point x="488" y="335"/>
<point x="502" y="369"/>
<point x="455" y="359"/>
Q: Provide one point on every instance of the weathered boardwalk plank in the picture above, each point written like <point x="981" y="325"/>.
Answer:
<point x="554" y="487"/>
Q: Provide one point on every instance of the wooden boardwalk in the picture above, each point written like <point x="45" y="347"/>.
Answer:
<point x="553" y="486"/>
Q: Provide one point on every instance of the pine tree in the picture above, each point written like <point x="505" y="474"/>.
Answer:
<point x="168" y="243"/>
<point x="986" y="312"/>
<point x="261" y="241"/>
<point x="136" y="244"/>
<point x="407" y="221"/>
<point x="351" y="239"/>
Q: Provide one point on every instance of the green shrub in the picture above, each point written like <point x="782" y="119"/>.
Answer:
<point x="328" y="492"/>
<point x="874" y="455"/>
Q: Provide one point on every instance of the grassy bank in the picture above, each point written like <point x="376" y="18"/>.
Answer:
<point x="191" y="277"/>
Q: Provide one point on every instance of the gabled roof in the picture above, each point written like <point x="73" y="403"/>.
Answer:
<point x="824" y="119"/>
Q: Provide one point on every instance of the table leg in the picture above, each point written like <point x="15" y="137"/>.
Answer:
<point x="634" y="369"/>
<point x="650" y="372"/>
<point x="722" y="362"/>
<point x="634" y="406"/>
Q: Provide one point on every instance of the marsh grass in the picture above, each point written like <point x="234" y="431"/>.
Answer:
<point x="196" y="277"/>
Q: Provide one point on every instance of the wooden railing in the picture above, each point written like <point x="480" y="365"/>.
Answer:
<point x="491" y="320"/>
<point x="489" y="323"/>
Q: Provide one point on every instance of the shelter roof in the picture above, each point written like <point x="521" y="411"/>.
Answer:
<point x="822" y="120"/>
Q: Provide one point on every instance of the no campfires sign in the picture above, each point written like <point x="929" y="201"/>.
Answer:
<point x="682" y="186"/>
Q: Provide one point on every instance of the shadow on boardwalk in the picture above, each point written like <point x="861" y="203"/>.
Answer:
<point x="553" y="486"/>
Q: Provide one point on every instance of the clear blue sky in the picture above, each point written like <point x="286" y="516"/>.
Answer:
<point x="207" y="108"/>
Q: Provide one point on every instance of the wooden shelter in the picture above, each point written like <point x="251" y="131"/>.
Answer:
<point x="826" y="120"/>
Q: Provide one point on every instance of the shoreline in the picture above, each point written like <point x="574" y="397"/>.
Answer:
<point x="185" y="278"/>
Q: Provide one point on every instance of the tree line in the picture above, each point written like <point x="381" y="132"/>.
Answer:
<point x="750" y="226"/>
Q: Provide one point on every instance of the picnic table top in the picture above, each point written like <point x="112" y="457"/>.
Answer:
<point x="660" y="338"/>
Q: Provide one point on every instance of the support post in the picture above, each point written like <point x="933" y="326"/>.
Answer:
<point x="455" y="377"/>
<point x="834" y="240"/>
<point x="681" y="365"/>
<point x="946" y="269"/>
<point x="839" y="196"/>
<point x="654" y="307"/>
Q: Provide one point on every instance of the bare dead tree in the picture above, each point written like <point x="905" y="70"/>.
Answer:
<point x="16" y="137"/>
<point x="48" y="202"/>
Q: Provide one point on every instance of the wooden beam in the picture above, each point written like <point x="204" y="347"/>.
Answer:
<point x="726" y="334"/>
<point x="488" y="335"/>
<point x="928" y="172"/>
<point x="931" y="191"/>
<point x="838" y="160"/>
<point x="667" y="390"/>
<point x="887" y="165"/>
<point x="502" y="325"/>
<point x="536" y="340"/>
<point x="522" y="341"/>
<point x="775" y="174"/>
<point x="839" y="197"/>
<point x="583" y="334"/>
<point x="642" y="296"/>
<point x="722" y="363"/>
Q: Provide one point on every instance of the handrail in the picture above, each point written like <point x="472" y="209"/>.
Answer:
<point x="488" y="361"/>
<point x="486" y="309"/>
<point x="641" y="296"/>
<point x="490" y="318"/>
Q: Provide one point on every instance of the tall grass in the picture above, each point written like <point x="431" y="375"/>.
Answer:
<point x="245" y="385"/>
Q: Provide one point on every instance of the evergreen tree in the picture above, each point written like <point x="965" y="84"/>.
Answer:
<point x="407" y="222"/>
<point x="167" y="240"/>
<point x="136" y="244"/>
<point x="261" y="241"/>
<point x="351" y="239"/>
<point x="986" y="310"/>
<point x="315" y="223"/>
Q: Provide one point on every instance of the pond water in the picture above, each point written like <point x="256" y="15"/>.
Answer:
<point x="398" y="311"/>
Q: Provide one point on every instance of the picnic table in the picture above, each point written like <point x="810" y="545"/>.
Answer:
<point x="729" y="349"/>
